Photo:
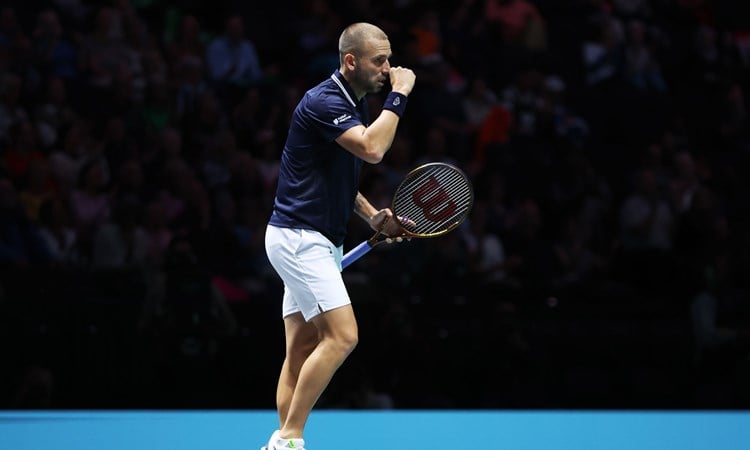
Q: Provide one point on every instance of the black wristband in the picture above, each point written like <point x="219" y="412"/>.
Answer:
<point x="395" y="102"/>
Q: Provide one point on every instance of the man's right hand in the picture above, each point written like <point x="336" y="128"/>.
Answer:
<point x="402" y="79"/>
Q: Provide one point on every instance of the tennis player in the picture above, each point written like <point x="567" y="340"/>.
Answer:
<point x="330" y="136"/>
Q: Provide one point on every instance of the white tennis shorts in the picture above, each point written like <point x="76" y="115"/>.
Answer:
<point x="310" y="267"/>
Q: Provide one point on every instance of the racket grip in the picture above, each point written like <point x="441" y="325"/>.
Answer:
<point x="355" y="253"/>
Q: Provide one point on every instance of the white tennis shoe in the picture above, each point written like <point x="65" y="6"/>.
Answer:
<point x="277" y="443"/>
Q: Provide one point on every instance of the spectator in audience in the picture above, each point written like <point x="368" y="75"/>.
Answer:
<point x="232" y="59"/>
<point x="267" y="161"/>
<point x="12" y="110"/>
<point x="574" y="262"/>
<point x="121" y="243"/>
<point x="116" y="144"/>
<point x="436" y="147"/>
<point x="489" y="264"/>
<point x="53" y="114"/>
<point x="55" y="55"/>
<point x="75" y="148"/>
<point x="157" y="111"/>
<point x="429" y="40"/>
<point x="188" y="45"/>
<point x="253" y="119"/>
<point x="36" y="188"/>
<point x="522" y="240"/>
<point x="519" y="21"/>
<point x="602" y="55"/>
<point x="318" y="26"/>
<point x="647" y="221"/>
<point x="684" y="182"/>
<point x="522" y="98"/>
<point x="10" y="26"/>
<point x="131" y="182"/>
<point x="191" y="85"/>
<point x="218" y="159"/>
<point x="646" y="216"/>
<point x="478" y="101"/>
<point x="105" y="51"/>
<point x="57" y="232"/>
<point x="23" y="150"/>
<point x="157" y="232"/>
<point x="641" y="69"/>
<point x="734" y="117"/>
<point x="90" y="202"/>
<point x="21" y="245"/>
<point x="198" y="128"/>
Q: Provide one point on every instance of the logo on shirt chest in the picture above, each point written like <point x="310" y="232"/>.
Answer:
<point x="341" y="118"/>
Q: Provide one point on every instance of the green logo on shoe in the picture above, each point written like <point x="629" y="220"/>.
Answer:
<point x="291" y="444"/>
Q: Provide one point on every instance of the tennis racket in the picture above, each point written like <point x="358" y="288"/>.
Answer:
<point x="430" y="201"/>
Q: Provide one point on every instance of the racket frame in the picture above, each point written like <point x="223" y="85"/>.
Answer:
<point x="379" y="237"/>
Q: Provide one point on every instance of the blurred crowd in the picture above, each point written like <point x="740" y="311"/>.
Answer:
<point x="609" y="146"/>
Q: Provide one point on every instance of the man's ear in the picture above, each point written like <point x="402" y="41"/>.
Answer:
<point x="350" y="61"/>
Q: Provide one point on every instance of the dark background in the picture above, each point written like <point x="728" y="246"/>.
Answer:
<point x="604" y="264"/>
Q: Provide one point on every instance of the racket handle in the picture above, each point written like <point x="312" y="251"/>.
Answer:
<point x="355" y="253"/>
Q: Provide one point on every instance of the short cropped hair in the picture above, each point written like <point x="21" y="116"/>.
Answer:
<point x="355" y="35"/>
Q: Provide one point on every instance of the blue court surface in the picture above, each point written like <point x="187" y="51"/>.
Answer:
<point x="381" y="430"/>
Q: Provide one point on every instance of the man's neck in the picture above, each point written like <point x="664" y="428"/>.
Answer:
<point x="347" y="76"/>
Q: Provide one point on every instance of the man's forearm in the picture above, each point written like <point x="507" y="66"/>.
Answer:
<point x="364" y="208"/>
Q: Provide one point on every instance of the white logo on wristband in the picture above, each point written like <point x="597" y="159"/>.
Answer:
<point x="396" y="101"/>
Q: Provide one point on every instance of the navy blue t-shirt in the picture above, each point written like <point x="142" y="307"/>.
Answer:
<point x="319" y="179"/>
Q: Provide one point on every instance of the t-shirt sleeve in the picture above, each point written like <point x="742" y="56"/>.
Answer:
<point x="332" y="116"/>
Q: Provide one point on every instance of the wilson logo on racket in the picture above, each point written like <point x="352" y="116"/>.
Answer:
<point x="434" y="201"/>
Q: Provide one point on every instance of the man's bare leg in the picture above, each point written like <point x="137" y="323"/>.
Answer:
<point x="337" y="336"/>
<point x="301" y="339"/>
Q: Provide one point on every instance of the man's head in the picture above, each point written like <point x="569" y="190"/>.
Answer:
<point x="235" y="28"/>
<point x="364" y="50"/>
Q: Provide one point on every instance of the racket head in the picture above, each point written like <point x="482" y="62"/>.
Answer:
<point x="432" y="200"/>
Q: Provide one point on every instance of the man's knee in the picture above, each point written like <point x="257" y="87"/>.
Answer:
<point x="344" y="341"/>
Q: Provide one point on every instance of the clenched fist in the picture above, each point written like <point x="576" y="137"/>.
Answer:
<point x="402" y="79"/>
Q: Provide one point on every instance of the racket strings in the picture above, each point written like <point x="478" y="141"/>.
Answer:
<point x="451" y="188"/>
